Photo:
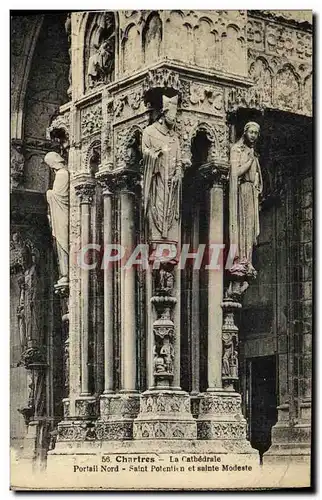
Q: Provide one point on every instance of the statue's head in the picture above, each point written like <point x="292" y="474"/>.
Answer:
<point x="54" y="160"/>
<point x="169" y="109"/>
<point x="251" y="133"/>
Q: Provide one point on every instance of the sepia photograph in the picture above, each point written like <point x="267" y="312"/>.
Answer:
<point x="161" y="249"/>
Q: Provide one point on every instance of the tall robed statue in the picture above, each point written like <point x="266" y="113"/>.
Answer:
<point x="162" y="175"/>
<point x="245" y="186"/>
<point x="58" y="201"/>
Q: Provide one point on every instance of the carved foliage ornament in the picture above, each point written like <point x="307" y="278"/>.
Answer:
<point x="92" y="120"/>
<point x="162" y="78"/>
<point x="206" y="97"/>
<point x="85" y="191"/>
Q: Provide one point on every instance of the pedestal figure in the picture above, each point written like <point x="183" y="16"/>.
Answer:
<point x="245" y="185"/>
<point x="58" y="201"/>
<point x="164" y="408"/>
<point x="162" y="176"/>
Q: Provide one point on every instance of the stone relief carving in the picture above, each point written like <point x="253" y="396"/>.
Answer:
<point x="263" y="83"/>
<point x="255" y="34"/>
<point x="207" y="98"/>
<point x="164" y="430"/>
<point x="288" y="42"/>
<point x="222" y="430"/>
<point x="129" y="103"/>
<point x="91" y="121"/>
<point x="287" y="89"/>
<point x="58" y="202"/>
<point x="280" y="67"/>
<point x="101" y="62"/>
<point x="24" y="262"/>
<point x="220" y="405"/>
<point x="154" y="403"/>
<point x="17" y="163"/>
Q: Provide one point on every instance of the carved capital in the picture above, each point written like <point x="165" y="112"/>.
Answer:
<point x="85" y="188"/>
<point x="105" y="179"/>
<point x="126" y="180"/>
<point x="214" y="174"/>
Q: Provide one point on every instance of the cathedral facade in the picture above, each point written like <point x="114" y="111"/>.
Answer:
<point x="138" y="131"/>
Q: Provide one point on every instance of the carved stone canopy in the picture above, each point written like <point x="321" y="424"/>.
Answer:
<point x="158" y="82"/>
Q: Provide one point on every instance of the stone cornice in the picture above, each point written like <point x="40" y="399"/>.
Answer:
<point x="183" y="69"/>
<point x="281" y="18"/>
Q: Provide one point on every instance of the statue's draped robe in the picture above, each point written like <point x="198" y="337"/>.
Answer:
<point x="244" y="190"/>
<point x="58" y="201"/>
<point x="161" y="194"/>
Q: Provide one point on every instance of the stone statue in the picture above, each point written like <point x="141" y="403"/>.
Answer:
<point x="167" y="351"/>
<point x="58" y="201"/>
<point x="228" y="355"/>
<point x="101" y="63"/>
<point x="162" y="175"/>
<point x="32" y="312"/>
<point x="244" y="188"/>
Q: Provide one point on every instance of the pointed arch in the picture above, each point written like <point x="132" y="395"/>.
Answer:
<point x="152" y="38"/>
<point x="100" y="47"/>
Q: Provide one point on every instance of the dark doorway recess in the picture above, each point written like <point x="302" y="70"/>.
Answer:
<point x="262" y="401"/>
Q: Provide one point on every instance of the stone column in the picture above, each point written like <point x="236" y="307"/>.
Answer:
<point x="215" y="287"/>
<point x="126" y="187"/>
<point x="117" y="411"/>
<point x="195" y="310"/>
<point x="220" y="416"/>
<point x="85" y="189"/>
<point x="105" y="180"/>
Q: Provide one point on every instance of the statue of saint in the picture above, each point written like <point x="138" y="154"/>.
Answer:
<point x="245" y="185"/>
<point x="162" y="175"/>
<point x="58" y="201"/>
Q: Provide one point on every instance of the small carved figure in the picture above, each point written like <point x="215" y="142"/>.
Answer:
<point x="228" y="348"/>
<point x="167" y="352"/>
<point x="32" y="313"/>
<point x="159" y="364"/>
<point x="58" y="201"/>
<point x="245" y="186"/>
<point x="162" y="175"/>
<point x="166" y="281"/>
<point x="17" y="165"/>
<point x="101" y="63"/>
